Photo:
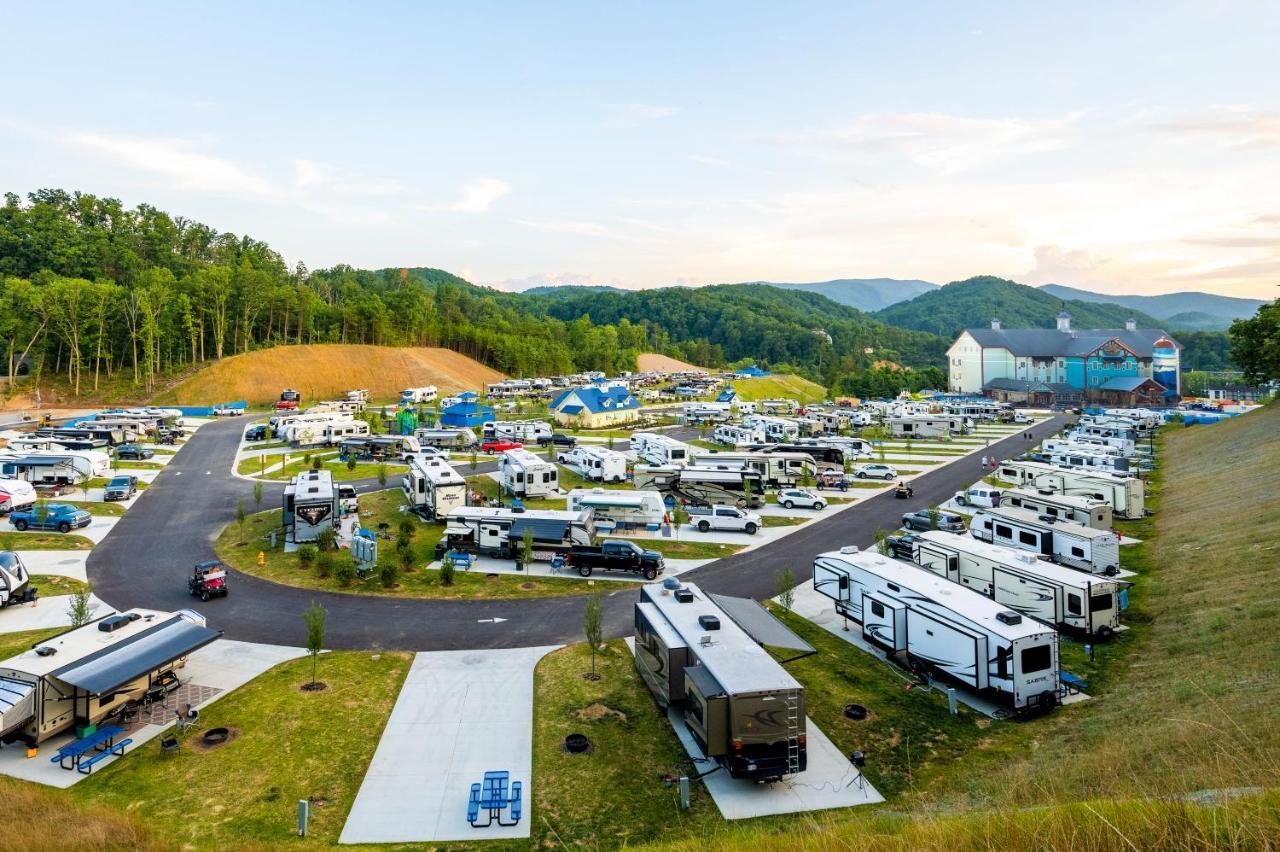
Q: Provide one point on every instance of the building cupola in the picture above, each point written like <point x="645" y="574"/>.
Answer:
<point x="1131" y="324"/>
<point x="1064" y="322"/>
<point x="995" y="323"/>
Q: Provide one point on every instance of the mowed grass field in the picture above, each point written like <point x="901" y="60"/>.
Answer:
<point x="326" y="370"/>
<point x="779" y="387"/>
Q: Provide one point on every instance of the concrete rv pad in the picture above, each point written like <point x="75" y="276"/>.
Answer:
<point x="459" y="714"/>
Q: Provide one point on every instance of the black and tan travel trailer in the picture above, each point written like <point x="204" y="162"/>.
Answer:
<point x="311" y="504"/>
<point x="702" y="655"/>
<point x="1088" y="549"/>
<point x="1125" y="494"/>
<point x="1088" y="511"/>
<point x="79" y="677"/>
<point x="432" y="487"/>
<point x="1070" y="599"/>
<point x="701" y="485"/>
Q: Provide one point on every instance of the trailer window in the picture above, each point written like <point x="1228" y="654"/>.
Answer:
<point x="1027" y="538"/>
<point x="1003" y="531"/>
<point x="1077" y="552"/>
<point x="1073" y="604"/>
<point x="877" y="609"/>
<point x="1036" y="659"/>
<point x="1100" y="603"/>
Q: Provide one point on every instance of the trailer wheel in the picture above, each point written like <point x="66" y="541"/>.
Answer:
<point x="703" y="526"/>
<point x="751" y="529"/>
<point x="20" y="525"/>
<point x="584" y="570"/>
<point x="1105" y="632"/>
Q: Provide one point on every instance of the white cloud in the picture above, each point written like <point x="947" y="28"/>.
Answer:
<point x="709" y="161"/>
<point x="629" y="115"/>
<point x="478" y="195"/>
<point x="175" y="160"/>
<point x="548" y="279"/>
<point x="1231" y="126"/>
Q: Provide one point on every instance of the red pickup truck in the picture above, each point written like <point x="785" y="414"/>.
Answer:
<point x="499" y="445"/>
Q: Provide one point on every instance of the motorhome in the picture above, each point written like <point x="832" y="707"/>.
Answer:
<point x="1125" y="494"/>
<point x="927" y="426"/>
<point x="975" y="409"/>
<point x="54" y="467"/>
<point x="1061" y="507"/>
<point x="615" y="507"/>
<point x="379" y="447"/>
<point x="703" y="486"/>
<point x="16" y="494"/>
<point x="418" y="396"/>
<point x="522" y="474"/>
<point x="779" y="470"/>
<point x="500" y="531"/>
<point x="825" y="455"/>
<point x="86" y="430"/>
<point x="657" y="449"/>
<point x="1088" y="549"/>
<point x="432" y="487"/>
<point x="452" y="439"/>
<point x="776" y="430"/>
<point x="595" y="463"/>
<point x="928" y="622"/>
<point x="310" y="506"/>
<point x="737" y="436"/>
<point x="1061" y="596"/>
<point x="524" y="431"/>
<point x="744" y="710"/>
<point x="81" y="676"/>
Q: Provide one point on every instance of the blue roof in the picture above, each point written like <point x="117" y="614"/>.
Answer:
<point x="753" y="371"/>
<point x="727" y="395"/>
<point x="595" y="400"/>
<point x="468" y="408"/>
<point x="468" y="395"/>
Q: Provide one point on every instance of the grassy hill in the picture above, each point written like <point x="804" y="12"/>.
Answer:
<point x="322" y="371"/>
<point x="973" y="302"/>
<point x="782" y="385"/>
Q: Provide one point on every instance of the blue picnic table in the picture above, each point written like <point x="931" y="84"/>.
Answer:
<point x="100" y="743"/>
<point x="491" y="796"/>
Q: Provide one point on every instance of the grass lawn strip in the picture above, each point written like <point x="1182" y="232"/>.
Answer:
<point x="34" y="540"/>
<point x="52" y="585"/>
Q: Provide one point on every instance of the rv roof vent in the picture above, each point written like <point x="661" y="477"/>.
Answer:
<point x="849" y="549"/>
<point x="704" y="641"/>
<point x="1008" y="616"/>
<point x="708" y="622"/>
<point x="46" y="651"/>
<point x="1048" y="519"/>
<point x="1027" y="558"/>
<point x="684" y="596"/>
<point x="1044" y="491"/>
<point x="671" y="583"/>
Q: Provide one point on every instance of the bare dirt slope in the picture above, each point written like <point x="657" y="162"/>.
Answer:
<point x="322" y="371"/>
<point x="647" y="361"/>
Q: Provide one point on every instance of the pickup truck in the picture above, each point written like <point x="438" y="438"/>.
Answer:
<point x="558" y="440"/>
<point x="499" y="445"/>
<point x="134" y="452"/>
<point x="929" y="519"/>
<point x="54" y="516"/>
<point x="724" y="518"/>
<point x="616" y="555"/>
<point x="120" y="488"/>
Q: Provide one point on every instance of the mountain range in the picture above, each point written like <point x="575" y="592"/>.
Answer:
<point x="1187" y="310"/>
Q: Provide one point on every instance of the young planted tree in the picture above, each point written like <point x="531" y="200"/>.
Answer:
<point x="315" y="616"/>
<point x="257" y="495"/>
<point x="881" y="536"/>
<point x="382" y="475"/>
<point x="526" y="549"/>
<point x="327" y="540"/>
<point x="306" y="556"/>
<point x="351" y="461"/>
<point x="784" y="583"/>
<point x="241" y="515"/>
<point x="79" y="608"/>
<point x="593" y="629"/>
<point x="407" y="527"/>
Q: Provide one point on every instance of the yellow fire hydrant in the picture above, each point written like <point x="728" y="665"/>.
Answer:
<point x="262" y="559"/>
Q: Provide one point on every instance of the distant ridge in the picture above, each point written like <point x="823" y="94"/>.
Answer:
<point x="1188" y="310"/>
<point x="865" y="294"/>
<point x="565" y="289"/>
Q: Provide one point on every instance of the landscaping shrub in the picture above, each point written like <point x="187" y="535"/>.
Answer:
<point x="446" y="571"/>
<point x="306" y="555"/>
<point x="345" y="573"/>
<point x="324" y="564"/>
<point x="387" y="573"/>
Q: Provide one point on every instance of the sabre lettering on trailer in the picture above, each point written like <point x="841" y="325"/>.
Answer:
<point x="314" y="514"/>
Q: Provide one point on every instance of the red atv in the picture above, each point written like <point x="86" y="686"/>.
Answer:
<point x="208" y="580"/>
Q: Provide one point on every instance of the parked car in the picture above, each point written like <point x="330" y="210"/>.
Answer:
<point x="901" y="546"/>
<point x="558" y="439"/>
<point x="790" y="498"/>
<point x="227" y="411"/>
<point x="986" y="496"/>
<point x="932" y="519"/>
<point x="208" y="580"/>
<point x="432" y="453"/>
<point x="833" y="479"/>
<point x="875" y="471"/>
<point x="706" y="518"/>
<point x="499" y="445"/>
<point x="134" y="452"/>
<point x="53" y="516"/>
<point x="120" y="488"/>
<point x="616" y="555"/>
<point x="256" y="432"/>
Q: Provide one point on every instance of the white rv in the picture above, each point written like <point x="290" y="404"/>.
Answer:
<point x="336" y="431"/>
<point x="432" y="487"/>
<point x="1124" y="446"/>
<point x="54" y="467"/>
<point x="418" y="396"/>
<point x="16" y="494"/>
<point x="500" y="532"/>
<point x="1046" y="503"/>
<point x="620" y="508"/>
<point x="596" y="463"/>
<point x="1086" y="548"/>
<point x="737" y="436"/>
<point x="776" y="429"/>
<point x="310" y="506"/>
<point x="937" y="426"/>
<point x="658" y="449"/>
<point x="15" y="587"/>
<point x="523" y="474"/>
<point x="1015" y="578"/>
<point x="940" y="626"/>
<point x="1082" y="459"/>
<point x="704" y="486"/>
<point x="524" y="431"/>
<point x="1125" y="494"/>
<point x="455" y="439"/>
<point x="777" y="469"/>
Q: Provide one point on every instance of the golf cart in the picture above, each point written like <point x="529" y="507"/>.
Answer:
<point x="208" y="580"/>
<point x="903" y="491"/>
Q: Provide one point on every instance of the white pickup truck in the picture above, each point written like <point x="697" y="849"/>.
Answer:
<point x="724" y="518"/>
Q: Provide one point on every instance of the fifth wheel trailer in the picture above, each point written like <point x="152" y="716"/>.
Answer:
<point x="704" y="486"/>
<point x="1070" y="599"/>
<point x="1126" y="494"/>
<point x="1085" y="548"/>
<point x="924" y="620"/>
<point x="743" y="708"/>
<point x="523" y="474"/>
<point x="620" y="507"/>
<point x="1077" y="510"/>
<point x="432" y="487"/>
<point x="499" y="531"/>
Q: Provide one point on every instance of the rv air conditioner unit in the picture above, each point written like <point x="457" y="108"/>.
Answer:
<point x="684" y="596"/>
<point x="849" y="549"/>
<point x="708" y="622"/>
<point x="114" y="622"/>
<point x="1009" y="617"/>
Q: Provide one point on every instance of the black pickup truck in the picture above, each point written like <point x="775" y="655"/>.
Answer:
<point x="615" y="556"/>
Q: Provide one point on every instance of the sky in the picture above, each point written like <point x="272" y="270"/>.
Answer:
<point x="1121" y="147"/>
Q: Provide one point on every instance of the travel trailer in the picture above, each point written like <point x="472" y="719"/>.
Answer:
<point x="524" y="431"/>
<point x="15" y="588"/>
<point x="54" y="467"/>
<point x="1061" y="596"/>
<point x="1088" y="549"/>
<point x="310" y="506"/>
<point x="926" y="426"/>
<point x="452" y="439"/>
<point x="703" y="486"/>
<point x="776" y="429"/>
<point x="595" y="463"/>
<point x="1061" y="507"/>
<point x="337" y="431"/>
<point x="1080" y="459"/>
<point x="657" y="449"/>
<point x="1083" y="445"/>
<point x="500" y="532"/>
<point x="926" y="622"/>
<point x="432" y="487"/>
<point x="742" y="707"/>
<point x="79" y="677"/>
<point x="1124" y="446"/>
<point x="16" y="494"/>
<point x="418" y="396"/>
<point x="780" y="470"/>
<point x="618" y="508"/>
<point x="522" y="474"/>
<point x="1125" y="494"/>
<point x="737" y="436"/>
<point x="702" y="412"/>
<point x="87" y="431"/>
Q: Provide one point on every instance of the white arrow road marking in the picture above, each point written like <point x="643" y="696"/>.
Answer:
<point x="490" y="620"/>
<point x="177" y="473"/>
<point x="207" y="472"/>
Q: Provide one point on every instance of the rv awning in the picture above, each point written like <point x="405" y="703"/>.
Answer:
<point x="542" y="529"/>
<point x="113" y="667"/>
<point x="760" y="625"/>
<point x="17" y="703"/>
<point x="457" y="529"/>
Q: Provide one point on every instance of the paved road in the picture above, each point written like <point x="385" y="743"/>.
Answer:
<point x="146" y="559"/>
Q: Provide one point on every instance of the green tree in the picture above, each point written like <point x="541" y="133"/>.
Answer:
<point x="315" y="617"/>
<point x="387" y="574"/>
<point x="526" y="549"/>
<point x="79" y="607"/>
<point x="446" y="571"/>
<point x="382" y="475"/>
<point x="1255" y="344"/>
<point x="784" y="583"/>
<point x="351" y="461"/>
<point x="257" y="495"/>
<point x="593" y="627"/>
<point x="306" y="555"/>
<point x="327" y="540"/>
<point x="241" y="515"/>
